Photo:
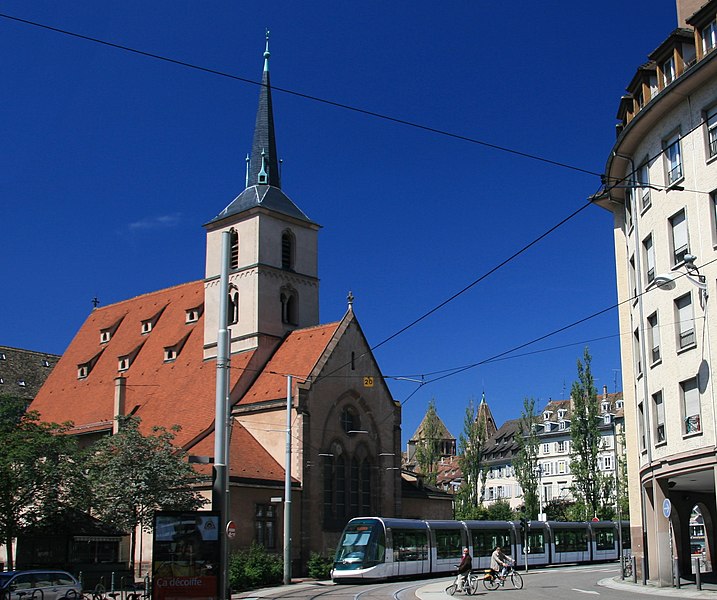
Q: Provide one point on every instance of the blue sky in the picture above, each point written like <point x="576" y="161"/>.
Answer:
<point x="112" y="161"/>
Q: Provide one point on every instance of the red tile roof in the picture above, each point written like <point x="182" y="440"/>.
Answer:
<point x="297" y="355"/>
<point x="178" y="392"/>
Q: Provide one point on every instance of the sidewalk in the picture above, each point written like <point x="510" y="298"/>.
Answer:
<point x="436" y="590"/>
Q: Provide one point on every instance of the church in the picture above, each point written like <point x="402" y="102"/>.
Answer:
<point x="154" y="357"/>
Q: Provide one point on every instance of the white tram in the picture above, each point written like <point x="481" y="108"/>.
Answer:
<point x="374" y="548"/>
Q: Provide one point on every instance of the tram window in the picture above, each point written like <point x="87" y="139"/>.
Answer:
<point x="485" y="541"/>
<point x="605" y="539"/>
<point x="409" y="545"/>
<point x="536" y="542"/>
<point x="449" y="543"/>
<point x="571" y="540"/>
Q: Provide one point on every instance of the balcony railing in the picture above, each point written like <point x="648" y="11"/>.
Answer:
<point x="674" y="174"/>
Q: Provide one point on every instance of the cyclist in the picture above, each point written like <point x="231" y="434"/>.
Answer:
<point x="499" y="562"/>
<point x="464" y="568"/>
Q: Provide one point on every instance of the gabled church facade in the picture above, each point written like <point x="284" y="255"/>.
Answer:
<point x="154" y="357"/>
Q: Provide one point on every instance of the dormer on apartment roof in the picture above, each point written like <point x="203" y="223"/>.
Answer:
<point x="704" y="22"/>
<point x="674" y="56"/>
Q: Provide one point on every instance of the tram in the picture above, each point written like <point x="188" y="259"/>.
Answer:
<point x="376" y="548"/>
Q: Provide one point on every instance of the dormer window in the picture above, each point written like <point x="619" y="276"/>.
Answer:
<point x="561" y="413"/>
<point x="83" y="371"/>
<point x="2" y="356"/>
<point x="709" y="37"/>
<point x="607" y="419"/>
<point x="45" y="363"/>
<point x="561" y="426"/>
<point x="123" y="363"/>
<point x="619" y="404"/>
<point x="105" y="335"/>
<point x="546" y="415"/>
<point x="605" y="406"/>
<point x="668" y="71"/>
<point x="547" y="426"/>
<point x="22" y="383"/>
<point x="192" y="315"/>
<point x="170" y="354"/>
<point x="147" y="326"/>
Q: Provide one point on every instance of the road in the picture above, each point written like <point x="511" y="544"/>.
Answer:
<point x="559" y="583"/>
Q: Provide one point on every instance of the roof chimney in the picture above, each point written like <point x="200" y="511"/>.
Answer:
<point x="120" y="397"/>
<point x="604" y="391"/>
<point x="687" y="8"/>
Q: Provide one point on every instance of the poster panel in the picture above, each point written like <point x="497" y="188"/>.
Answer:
<point x="186" y="555"/>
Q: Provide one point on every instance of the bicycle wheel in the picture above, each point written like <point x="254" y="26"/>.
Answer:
<point x="491" y="582"/>
<point x="517" y="580"/>
<point x="451" y="589"/>
<point x="474" y="584"/>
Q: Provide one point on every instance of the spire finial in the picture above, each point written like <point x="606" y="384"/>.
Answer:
<point x="350" y="299"/>
<point x="267" y="54"/>
<point x="248" y="161"/>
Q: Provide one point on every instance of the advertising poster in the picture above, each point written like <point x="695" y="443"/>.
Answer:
<point x="185" y="556"/>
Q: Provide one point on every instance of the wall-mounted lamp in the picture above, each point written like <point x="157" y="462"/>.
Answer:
<point x="667" y="282"/>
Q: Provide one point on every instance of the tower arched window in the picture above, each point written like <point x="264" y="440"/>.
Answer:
<point x="287" y="250"/>
<point x="233" y="312"/>
<point x="234" y="249"/>
<point x="289" y="307"/>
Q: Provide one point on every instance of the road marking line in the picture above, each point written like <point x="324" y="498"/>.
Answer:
<point x="586" y="591"/>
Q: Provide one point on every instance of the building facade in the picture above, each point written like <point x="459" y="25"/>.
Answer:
<point x="661" y="186"/>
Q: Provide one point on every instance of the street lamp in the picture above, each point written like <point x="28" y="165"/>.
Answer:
<point x="693" y="275"/>
<point x="539" y="474"/>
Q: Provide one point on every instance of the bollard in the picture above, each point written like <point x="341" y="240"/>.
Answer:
<point x="112" y="582"/>
<point x="698" y="575"/>
<point x="643" y="561"/>
<point x="676" y="572"/>
<point x="147" y="585"/>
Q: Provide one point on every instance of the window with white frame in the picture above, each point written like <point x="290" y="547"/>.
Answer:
<point x="680" y="243"/>
<point x="643" y="180"/>
<point x="685" y="322"/>
<point x="658" y="407"/>
<point x="713" y="209"/>
<point x="673" y="159"/>
<point x="561" y="413"/>
<point x="711" y="119"/>
<point x="668" y="71"/>
<point x="636" y="351"/>
<point x="641" y="425"/>
<point x="547" y="468"/>
<point x="632" y="277"/>
<point x="546" y="448"/>
<point x="561" y="447"/>
<point x="653" y="333"/>
<point x="548" y="492"/>
<point x="691" y="405"/>
<point x="649" y="250"/>
<point x="561" y="425"/>
<point x="562" y="467"/>
<point x="709" y="37"/>
<point x="628" y="210"/>
<point x="607" y="463"/>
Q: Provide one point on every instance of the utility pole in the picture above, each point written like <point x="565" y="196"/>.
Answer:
<point x="287" y="486"/>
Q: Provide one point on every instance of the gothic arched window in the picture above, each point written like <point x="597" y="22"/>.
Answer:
<point x="233" y="309"/>
<point x="289" y="307"/>
<point x="287" y="250"/>
<point x="234" y="249"/>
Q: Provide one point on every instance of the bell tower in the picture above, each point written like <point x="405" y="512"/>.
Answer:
<point x="273" y="270"/>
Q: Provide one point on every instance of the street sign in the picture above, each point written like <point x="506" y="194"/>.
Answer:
<point x="231" y="530"/>
<point x="666" y="508"/>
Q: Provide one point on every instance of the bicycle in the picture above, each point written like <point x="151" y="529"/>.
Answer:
<point x="492" y="580"/>
<point x="469" y="586"/>
<point x="627" y="566"/>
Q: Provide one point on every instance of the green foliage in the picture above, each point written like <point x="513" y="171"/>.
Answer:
<point x="39" y="472"/>
<point x="133" y="475"/>
<point x="471" y="443"/>
<point x="500" y="510"/>
<point x="559" y="509"/>
<point x="254" y="568"/>
<point x="428" y="447"/>
<point x="591" y="487"/>
<point x="526" y="460"/>
<point x="320" y="566"/>
<point x="466" y="511"/>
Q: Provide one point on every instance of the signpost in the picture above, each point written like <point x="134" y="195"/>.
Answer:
<point x="231" y="530"/>
<point x="666" y="508"/>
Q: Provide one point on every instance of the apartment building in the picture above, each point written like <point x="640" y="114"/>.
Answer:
<point x="661" y="186"/>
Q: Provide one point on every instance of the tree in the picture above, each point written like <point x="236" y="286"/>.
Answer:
<point x="428" y="447"/>
<point x="500" y="510"/>
<point x="526" y="461"/>
<point x="590" y="486"/>
<point x="39" y="473"/>
<point x="471" y="443"/>
<point x="133" y="475"/>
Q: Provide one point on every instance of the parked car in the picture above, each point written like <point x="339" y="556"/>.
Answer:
<point x="39" y="585"/>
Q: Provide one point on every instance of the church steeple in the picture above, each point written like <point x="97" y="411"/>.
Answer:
<point x="264" y="162"/>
